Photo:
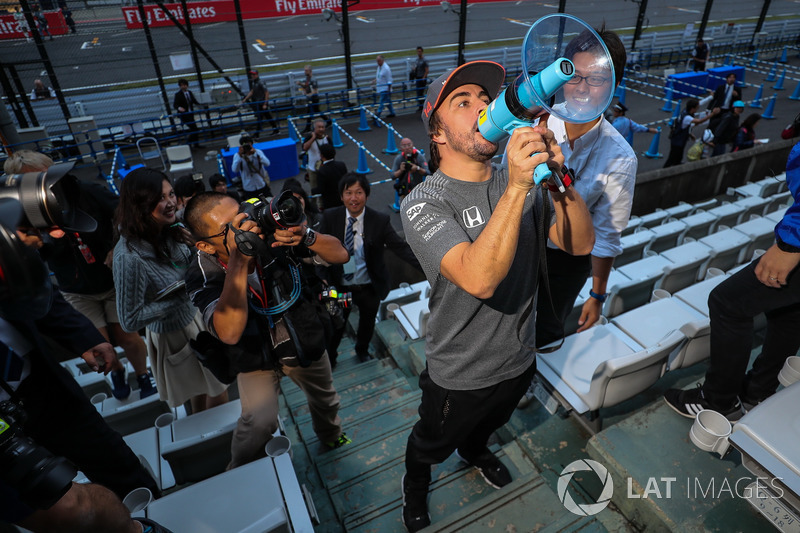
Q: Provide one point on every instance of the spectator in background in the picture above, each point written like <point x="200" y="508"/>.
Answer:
<point x="81" y="262"/>
<point x="41" y="92"/>
<point x="22" y="25"/>
<point x="310" y="88"/>
<point x="251" y="164"/>
<point x="259" y="96"/>
<point x="700" y="55"/>
<point x="419" y="72"/>
<point x="67" y="12"/>
<point x="724" y="96"/>
<point x="680" y="133"/>
<point x="185" y="103"/>
<point x="328" y="176"/>
<point x="186" y="187"/>
<point x="150" y="261"/>
<point x="746" y="137"/>
<point x="312" y="145"/>
<point x="41" y="22"/>
<point x="409" y="168"/>
<point x="727" y="127"/>
<point x="626" y="126"/>
<point x="217" y="183"/>
<point x="383" y="85"/>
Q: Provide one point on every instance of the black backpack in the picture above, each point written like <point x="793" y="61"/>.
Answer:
<point x="678" y="135"/>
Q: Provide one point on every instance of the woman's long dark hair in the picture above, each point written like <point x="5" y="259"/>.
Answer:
<point x="750" y="121"/>
<point x="140" y="193"/>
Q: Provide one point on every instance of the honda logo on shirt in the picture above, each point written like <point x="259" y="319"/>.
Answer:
<point x="473" y="217"/>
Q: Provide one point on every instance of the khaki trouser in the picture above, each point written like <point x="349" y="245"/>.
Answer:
<point x="258" y="391"/>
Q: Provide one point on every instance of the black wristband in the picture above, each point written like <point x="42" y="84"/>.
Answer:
<point x="784" y="247"/>
<point x="310" y="237"/>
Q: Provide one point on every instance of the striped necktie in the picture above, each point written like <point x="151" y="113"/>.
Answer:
<point x="349" y="242"/>
<point x="10" y="364"/>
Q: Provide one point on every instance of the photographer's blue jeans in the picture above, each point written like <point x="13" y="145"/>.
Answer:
<point x="386" y="99"/>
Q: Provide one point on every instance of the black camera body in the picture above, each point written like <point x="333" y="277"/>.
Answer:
<point x="40" y="478"/>
<point x="407" y="165"/>
<point x="280" y="212"/>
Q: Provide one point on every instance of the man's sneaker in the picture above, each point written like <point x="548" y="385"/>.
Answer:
<point x="748" y="402"/>
<point x="119" y="380"/>
<point x="493" y="471"/>
<point x="690" y="402"/>
<point x="415" y="507"/>
<point x="338" y="443"/>
<point x="147" y="385"/>
<point x="527" y="398"/>
<point x="149" y="526"/>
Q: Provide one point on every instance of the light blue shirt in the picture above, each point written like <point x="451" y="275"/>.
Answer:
<point x="361" y="277"/>
<point x="626" y="127"/>
<point x="383" y="78"/>
<point x="257" y="178"/>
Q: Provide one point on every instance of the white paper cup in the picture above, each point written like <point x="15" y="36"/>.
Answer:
<point x="391" y="309"/>
<point x="659" y="294"/>
<point x="137" y="500"/>
<point x="278" y="446"/>
<point x="601" y="321"/>
<point x="790" y="373"/>
<point x="712" y="272"/>
<point x="758" y="252"/>
<point x="164" y="420"/>
<point x="710" y="432"/>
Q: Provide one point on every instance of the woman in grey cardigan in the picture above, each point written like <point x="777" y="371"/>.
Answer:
<point x="150" y="260"/>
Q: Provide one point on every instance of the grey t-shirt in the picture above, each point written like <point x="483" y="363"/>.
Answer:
<point x="472" y="343"/>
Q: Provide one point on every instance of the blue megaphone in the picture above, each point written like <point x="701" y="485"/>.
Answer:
<point x="566" y="71"/>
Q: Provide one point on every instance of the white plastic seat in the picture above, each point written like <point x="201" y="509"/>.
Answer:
<point x="666" y="236"/>
<point x="687" y="262"/>
<point x="650" y="266"/>
<point x="260" y="496"/>
<point x="761" y="232"/>
<point x="150" y="151"/>
<point x="727" y="215"/>
<point x="571" y="322"/>
<point x="401" y="295"/>
<point x="764" y="188"/>
<point x="628" y="295"/>
<point x="696" y="296"/>
<point x="633" y="246"/>
<point x="144" y="444"/>
<point x="133" y="413"/>
<point x="726" y="249"/>
<point x="424" y="287"/>
<point x="777" y="215"/>
<point x="753" y="205"/>
<point x="233" y="140"/>
<point x="180" y="159"/>
<point x="199" y="446"/>
<point x="602" y="366"/>
<point x="651" y="322"/>
<point x="706" y="204"/>
<point x="681" y="210"/>
<point x="777" y="200"/>
<point x="698" y="225"/>
<point x="653" y="219"/>
<point x="767" y="438"/>
<point x="633" y="223"/>
<point x="413" y="313"/>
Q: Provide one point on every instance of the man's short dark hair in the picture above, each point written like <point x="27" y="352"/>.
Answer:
<point x="692" y="103"/>
<point x="583" y="43"/>
<point x="420" y="49"/>
<point x="245" y="139"/>
<point x="186" y="186"/>
<point x="350" y="179"/>
<point x="215" y="180"/>
<point x="199" y="205"/>
<point x="182" y="82"/>
<point x="327" y="151"/>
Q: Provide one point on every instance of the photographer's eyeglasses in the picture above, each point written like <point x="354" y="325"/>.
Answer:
<point x="223" y="234"/>
<point x="591" y="81"/>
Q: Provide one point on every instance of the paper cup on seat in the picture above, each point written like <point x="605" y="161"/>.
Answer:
<point x="137" y="500"/>
<point x="712" y="272"/>
<point x="790" y="373"/>
<point x="98" y="399"/>
<point x="659" y="294"/>
<point x="278" y="446"/>
<point x="601" y="321"/>
<point x="710" y="432"/>
<point x="758" y="252"/>
<point x="164" y="420"/>
<point x="391" y="309"/>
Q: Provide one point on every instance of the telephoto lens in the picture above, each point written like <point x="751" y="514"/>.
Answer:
<point x="280" y="212"/>
<point x="48" y="198"/>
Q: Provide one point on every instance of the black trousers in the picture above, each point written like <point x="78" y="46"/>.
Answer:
<point x="566" y="274"/>
<point x="421" y="85"/>
<point x="675" y="156"/>
<point x="262" y="115"/>
<point x="61" y="419"/>
<point x="460" y="420"/>
<point x="187" y="119"/>
<point x="367" y="301"/>
<point x="732" y="306"/>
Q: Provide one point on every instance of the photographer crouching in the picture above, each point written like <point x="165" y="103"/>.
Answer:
<point x="247" y="283"/>
<point x="409" y="168"/>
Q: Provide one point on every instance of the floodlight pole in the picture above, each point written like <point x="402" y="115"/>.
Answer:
<point x="462" y="31"/>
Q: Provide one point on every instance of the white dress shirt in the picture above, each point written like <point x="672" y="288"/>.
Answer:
<point x="605" y="172"/>
<point x="361" y="277"/>
<point x="383" y="78"/>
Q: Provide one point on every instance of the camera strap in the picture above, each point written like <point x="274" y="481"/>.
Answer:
<point x="11" y="392"/>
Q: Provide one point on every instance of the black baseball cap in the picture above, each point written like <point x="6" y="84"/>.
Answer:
<point x="487" y="74"/>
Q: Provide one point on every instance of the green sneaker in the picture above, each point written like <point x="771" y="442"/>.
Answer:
<point x="338" y="443"/>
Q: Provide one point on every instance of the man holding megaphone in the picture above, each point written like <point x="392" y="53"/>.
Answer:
<point x="473" y="227"/>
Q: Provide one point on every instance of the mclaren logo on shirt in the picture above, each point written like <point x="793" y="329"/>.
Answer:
<point x="414" y="210"/>
<point x="473" y="217"/>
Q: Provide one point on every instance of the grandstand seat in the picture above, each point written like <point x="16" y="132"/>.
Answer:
<point x="602" y="366"/>
<point x="698" y="225"/>
<point x="626" y="295"/>
<point x="687" y="260"/>
<point x="777" y="200"/>
<point x="666" y="236"/>
<point x="571" y="322"/>
<point x="767" y="438"/>
<point x="149" y="151"/>
<point x="180" y="159"/>
<point x="272" y="501"/>
<point x="753" y="205"/>
<point x="777" y="215"/>
<point x="761" y="233"/>
<point x="727" y="215"/>
<point x="652" y="265"/>
<point x="727" y="247"/>
<point x="764" y="188"/>
<point x="653" y="219"/>
<point x="652" y="322"/>
<point x="402" y="295"/>
<point x="681" y="210"/>
<point x="133" y="413"/>
<point x="423" y="286"/>
<point x="696" y="295"/>
<point x="144" y="444"/>
<point x="199" y="446"/>
<point x="412" y="317"/>
<point x="633" y="246"/>
<point x="705" y="205"/>
<point x="633" y="223"/>
<point x="91" y="382"/>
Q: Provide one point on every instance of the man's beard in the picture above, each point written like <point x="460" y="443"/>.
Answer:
<point x="476" y="148"/>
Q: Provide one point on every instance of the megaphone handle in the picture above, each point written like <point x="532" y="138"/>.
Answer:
<point x="541" y="173"/>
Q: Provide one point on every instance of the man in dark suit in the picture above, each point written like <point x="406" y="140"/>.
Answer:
<point x="365" y="233"/>
<point x="724" y="97"/>
<point x="185" y="103"/>
<point x="328" y="176"/>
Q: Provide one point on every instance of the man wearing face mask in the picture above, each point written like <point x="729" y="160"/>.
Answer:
<point x="59" y="416"/>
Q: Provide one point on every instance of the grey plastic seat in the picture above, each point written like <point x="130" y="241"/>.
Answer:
<point x="626" y="295"/>
<point x="653" y="219"/>
<point x="698" y="225"/>
<point x="688" y="260"/>
<point x="761" y="233"/>
<point x="727" y="215"/>
<point x="602" y="366"/>
<point x="633" y="246"/>
<point x="777" y="215"/>
<point x="777" y="200"/>
<point x="764" y="188"/>
<point x="666" y="236"/>
<point x="727" y="247"/>
<point x="753" y="205"/>
<point x="706" y="204"/>
<point x="180" y="159"/>
<point x="696" y="296"/>
<point x="260" y="496"/>
<point x="767" y="438"/>
<point x="633" y="223"/>
<point x="681" y="210"/>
